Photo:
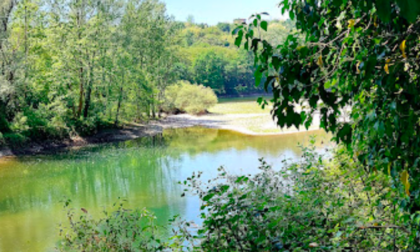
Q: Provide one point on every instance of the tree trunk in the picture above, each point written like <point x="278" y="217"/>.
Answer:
<point x="4" y="125"/>
<point x="80" y="22"/>
<point x="87" y="101"/>
<point x="153" y="111"/>
<point x="81" y="93"/>
<point x="120" y="98"/>
<point x="88" y="91"/>
<point x="119" y="105"/>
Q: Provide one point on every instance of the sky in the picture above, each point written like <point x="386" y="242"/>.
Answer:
<point x="215" y="11"/>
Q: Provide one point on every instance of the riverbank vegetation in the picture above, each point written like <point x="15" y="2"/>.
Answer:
<point x="72" y="67"/>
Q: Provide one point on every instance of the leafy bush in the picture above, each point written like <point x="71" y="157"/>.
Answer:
<point x="14" y="139"/>
<point x="19" y="123"/>
<point x="45" y="122"/>
<point x="190" y="98"/>
<point x="88" y="126"/>
<point x="312" y="205"/>
<point x="120" y="230"/>
<point x="2" y="141"/>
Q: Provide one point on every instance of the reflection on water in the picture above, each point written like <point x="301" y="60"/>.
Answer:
<point x="144" y="171"/>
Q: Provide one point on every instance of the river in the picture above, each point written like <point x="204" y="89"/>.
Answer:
<point x="144" y="171"/>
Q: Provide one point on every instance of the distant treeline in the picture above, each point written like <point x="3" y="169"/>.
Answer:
<point x="207" y="55"/>
<point x="74" y="66"/>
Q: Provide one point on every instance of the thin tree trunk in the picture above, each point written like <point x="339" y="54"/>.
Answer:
<point x="153" y="111"/>
<point x="87" y="101"/>
<point x="81" y="93"/>
<point x="120" y="99"/>
<point x="80" y="19"/>
<point x="119" y="105"/>
<point x="89" y="89"/>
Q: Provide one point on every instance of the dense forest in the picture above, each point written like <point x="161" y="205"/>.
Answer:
<point x="71" y="67"/>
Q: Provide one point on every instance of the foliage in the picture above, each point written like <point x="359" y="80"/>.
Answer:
<point x="310" y="205"/>
<point x="119" y="230"/>
<point x="190" y="98"/>
<point x="14" y="139"/>
<point x="71" y="67"/>
<point x="208" y="69"/>
<point x="224" y="27"/>
<point x="360" y="58"/>
<point x="208" y="56"/>
<point x="2" y="141"/>
<point x="74" y="66"/>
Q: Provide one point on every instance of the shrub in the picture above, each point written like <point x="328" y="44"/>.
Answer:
<point x="120" y="230"/>
<point x="14" y="139"/>
<point x="309" y="205"/>
<point x="2" y="141"/>
<point x="45" y="122"/>
<point x="190" y="98"/>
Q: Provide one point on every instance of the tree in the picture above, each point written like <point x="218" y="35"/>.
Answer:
<point x="209" y="70"/>
<point x="362" y="56"/>
<point x="224" y="27"/>
<point x="238" y="76"/>
<point x="78" y="65"/>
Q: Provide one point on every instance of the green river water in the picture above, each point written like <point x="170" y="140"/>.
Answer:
<point x="145" y="171"/>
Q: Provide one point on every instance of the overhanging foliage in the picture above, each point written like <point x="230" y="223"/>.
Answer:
<point x="359" y="55"/>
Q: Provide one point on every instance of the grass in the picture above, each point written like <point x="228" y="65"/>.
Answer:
<point x="243" y="99"/>
<point x="239" y="106"/>
<point x="246" y="113"/>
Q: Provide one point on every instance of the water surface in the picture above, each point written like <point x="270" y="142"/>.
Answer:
<point x="145" y="171"/>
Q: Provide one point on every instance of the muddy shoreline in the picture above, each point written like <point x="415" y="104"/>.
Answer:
<point x="104" y="136"/>
<point x="133" y="131"/>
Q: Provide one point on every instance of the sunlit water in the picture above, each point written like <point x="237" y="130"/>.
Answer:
<point x="144" y="171"/>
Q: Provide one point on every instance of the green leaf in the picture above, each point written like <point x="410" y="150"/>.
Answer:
<point x="344" y="134"/>
<point x="208" y="197"/>
<point x="238" y="40"/>
<point x="264" y="25"/>
<point x="276" y="62"/>
<point x="292" y="15"/>
<point x="258" y="76"/>
<point x="410" y="9"/>
<point x="384" y="10"/>
<point x="224" y="188"/>
<point x="254" y="45"/>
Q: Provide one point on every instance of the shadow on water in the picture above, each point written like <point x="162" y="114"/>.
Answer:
<point x="144" y="171"/>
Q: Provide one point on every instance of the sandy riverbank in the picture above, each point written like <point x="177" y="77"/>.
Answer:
<point x="249" y="124"/>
